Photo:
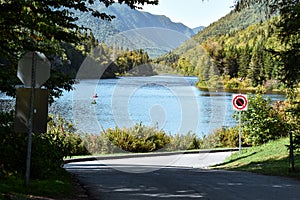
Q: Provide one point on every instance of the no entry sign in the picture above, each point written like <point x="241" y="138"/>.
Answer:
<point x="240" y="102"/>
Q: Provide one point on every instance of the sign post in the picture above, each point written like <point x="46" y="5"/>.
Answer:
<point x="28" y="158"/>
<point x="240" y="103"/>
<point x="33" y="71"/>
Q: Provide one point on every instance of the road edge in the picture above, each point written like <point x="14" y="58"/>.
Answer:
<point x="138" y="155"/>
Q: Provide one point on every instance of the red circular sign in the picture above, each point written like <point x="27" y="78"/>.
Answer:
<point x="240" y="102"/>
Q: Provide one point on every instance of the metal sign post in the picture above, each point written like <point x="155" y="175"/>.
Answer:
<point x="240" y="132"/>
<point x="29" y="145"/>
<point x="33" y="71"/>
<point x="240" y="103"/>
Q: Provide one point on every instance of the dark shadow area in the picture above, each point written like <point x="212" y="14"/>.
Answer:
<point x="107" y="182"/>
<point x="233" y="160"/>
<point x="279" y="167"/>
<point x="272" y="166"/>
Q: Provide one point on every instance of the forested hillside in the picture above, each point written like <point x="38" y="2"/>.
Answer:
<point x="234" y="51"/>
<point x="232" y="22"/>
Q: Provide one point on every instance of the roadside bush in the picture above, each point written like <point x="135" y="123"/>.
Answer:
<point x="264" y="121"/>
<point x="221" y="138"/>
<point x="228" y="137"/>
<point x="12" y="147"/>
<point x="210" y="141"/>
<point x="187" y="141"/>
<point x="289" y="111"/>
<point x="99" y="144"/>
<point x="261" y="122"/>
<point x="138" y="139"/>
<point x="60" y="129"/>
<point x="48" y="149"/>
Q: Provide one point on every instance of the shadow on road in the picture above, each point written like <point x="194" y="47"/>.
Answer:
<point x="109" y="182"/>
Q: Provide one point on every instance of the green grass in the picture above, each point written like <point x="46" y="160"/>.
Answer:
<point x="56" y="187"/>
<point x="270" y="159"/>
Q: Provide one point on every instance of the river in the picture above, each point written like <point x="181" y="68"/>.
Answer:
<point x="171" y="103"/>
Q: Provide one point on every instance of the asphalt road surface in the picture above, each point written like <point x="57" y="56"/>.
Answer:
<point x="178" y="177"/>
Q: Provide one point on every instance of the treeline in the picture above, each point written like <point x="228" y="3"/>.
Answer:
<point x="116" y="60"/>
<point x="245" y="54"/>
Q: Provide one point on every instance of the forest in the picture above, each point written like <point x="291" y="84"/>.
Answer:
<point x="237" y="52"/>
<point x="116" y="61"/>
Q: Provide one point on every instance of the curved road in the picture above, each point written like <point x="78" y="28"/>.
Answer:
<point x="178" y="177"/>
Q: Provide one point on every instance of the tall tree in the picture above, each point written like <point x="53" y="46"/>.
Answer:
<point x="244" y="61"/>
<point x="289" y="29"/>
<point x="42" y="26"/>
<point x="256" y="66"/>
<point x="288" y="35"/>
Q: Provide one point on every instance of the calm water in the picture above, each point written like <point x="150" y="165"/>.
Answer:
<point x="170" y="103"/>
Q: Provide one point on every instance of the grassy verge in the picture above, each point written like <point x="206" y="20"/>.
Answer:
<point x="60" y="186"/>
<point x="270" y="159"/>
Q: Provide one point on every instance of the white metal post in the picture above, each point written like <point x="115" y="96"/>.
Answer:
<point x="240" y="132"/>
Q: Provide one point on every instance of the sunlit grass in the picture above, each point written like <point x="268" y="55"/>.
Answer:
<point x="270" y="159"/>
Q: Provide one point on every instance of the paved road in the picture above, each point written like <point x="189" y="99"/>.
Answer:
<point x="178" y="177"/>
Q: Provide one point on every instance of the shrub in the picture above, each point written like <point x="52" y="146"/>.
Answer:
<point x="215" y="82"/>
<point x="48" y="149"/>
<point x="289" y="111"/>
<point x="210" y="141"/>
<point x="224" y="137"/>
<point x="61" y="130"/>
<point x="138" y="139"/>
<point x="12" y="146"/>
<point x="99" y="144"/>
<point x="187" y="141"/>
<point x="261" y="122"/>
<point x="228" y="137"/>
<point x="232" y="84"/>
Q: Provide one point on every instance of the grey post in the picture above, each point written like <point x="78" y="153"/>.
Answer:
<point x="28" y="159"/>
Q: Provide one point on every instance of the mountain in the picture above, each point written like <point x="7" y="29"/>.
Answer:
<point x="233" y="22"/>
<point x="229" y="24"/>
<point x="135" y="29"/>
<point x="127" y="19"/>
<point x="198" y="29"/>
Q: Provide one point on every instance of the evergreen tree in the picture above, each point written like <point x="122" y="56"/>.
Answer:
<point x="255" y="72"/>
<point x="244" y="61"/>
<point x="288" y="35"/>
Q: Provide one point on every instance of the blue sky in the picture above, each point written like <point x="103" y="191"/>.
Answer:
<point x="192" y="13"/>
